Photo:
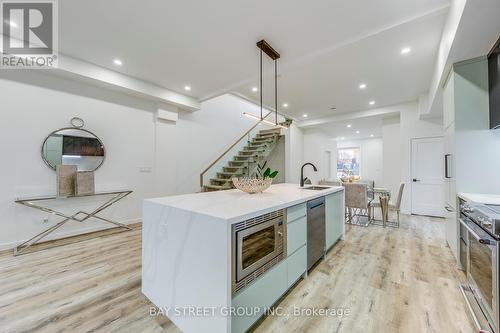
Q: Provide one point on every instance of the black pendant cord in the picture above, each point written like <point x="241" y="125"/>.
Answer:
<point x="261" y="115"/>
<point x="268" y="49"/>
<point x="276" y="89"/>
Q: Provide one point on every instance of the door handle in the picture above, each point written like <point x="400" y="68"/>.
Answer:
<point x="448" y="208"/>
<point x="416" y="180"/>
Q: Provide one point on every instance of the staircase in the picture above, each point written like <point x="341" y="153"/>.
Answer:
<point x="245" y="163"/>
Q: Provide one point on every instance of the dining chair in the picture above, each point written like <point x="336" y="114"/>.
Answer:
<point x="370" y="186"/>
<point x="393" y="206"/>
<point x="357" y="202"/>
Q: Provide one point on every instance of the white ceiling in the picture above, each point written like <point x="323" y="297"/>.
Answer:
<point x="328" y="47"/>
<point x="333" y="78"/>
<point x="366" y="127"/>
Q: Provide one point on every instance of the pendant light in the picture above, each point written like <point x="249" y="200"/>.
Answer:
<point x="274" y="55"/>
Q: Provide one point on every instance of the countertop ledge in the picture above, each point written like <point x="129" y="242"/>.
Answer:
<point x="235" y="206"/>
<point x="488" y="199"/>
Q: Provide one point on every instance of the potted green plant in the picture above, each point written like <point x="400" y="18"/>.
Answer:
<point x="259" y="184"/>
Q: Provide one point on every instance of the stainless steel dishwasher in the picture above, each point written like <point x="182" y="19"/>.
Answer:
<point x="315" y="230"/>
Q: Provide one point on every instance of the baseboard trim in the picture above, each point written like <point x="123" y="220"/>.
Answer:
<point x="61" y="235"/>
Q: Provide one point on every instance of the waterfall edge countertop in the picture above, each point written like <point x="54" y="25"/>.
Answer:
<point x="235" y="206"/>
<point x="187" y="246"/>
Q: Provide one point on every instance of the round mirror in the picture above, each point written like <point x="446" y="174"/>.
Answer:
<point x="73" y="146"/>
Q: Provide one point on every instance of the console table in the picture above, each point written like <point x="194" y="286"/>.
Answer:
<point x="41" y="203"/>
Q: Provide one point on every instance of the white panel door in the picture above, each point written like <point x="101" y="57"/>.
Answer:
<point x="427" y="166"/>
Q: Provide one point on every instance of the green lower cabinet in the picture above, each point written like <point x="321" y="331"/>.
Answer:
<point x="334" y="217"/>
<point x="264" y="292"/>
<point x="295" y="212"/>
<point x="296" y="235"/>
<point x="268" y="288"/>
<point x="297" y="265"/>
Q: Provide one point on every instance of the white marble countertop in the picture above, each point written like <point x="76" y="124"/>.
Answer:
<point x="489" y="199"/>
<point x="235" y="206"/>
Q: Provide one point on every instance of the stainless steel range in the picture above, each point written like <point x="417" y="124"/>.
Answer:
<point x="480" y="237"/>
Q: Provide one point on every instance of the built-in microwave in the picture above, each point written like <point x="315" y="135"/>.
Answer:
<point x="257" y="245"/>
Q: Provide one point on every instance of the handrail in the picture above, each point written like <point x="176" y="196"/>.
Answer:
<point x="229" y="148"/>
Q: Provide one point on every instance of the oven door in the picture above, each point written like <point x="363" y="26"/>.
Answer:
<point x="257" y="245"/>
<point x="482" y="269"/>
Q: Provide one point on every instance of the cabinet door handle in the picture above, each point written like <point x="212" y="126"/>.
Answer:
<point x="446" y="166"/>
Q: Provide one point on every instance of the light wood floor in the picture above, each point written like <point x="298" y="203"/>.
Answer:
<point x="390" y="280"/>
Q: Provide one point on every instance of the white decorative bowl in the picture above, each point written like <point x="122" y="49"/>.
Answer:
<point x="252" y="185"/>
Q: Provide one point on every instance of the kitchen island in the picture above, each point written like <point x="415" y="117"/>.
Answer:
<point x="189" y="257"/>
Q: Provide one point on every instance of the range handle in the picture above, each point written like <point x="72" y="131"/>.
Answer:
<point x="482" y="240"/>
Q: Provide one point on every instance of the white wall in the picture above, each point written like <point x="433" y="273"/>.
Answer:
<point x="371" y="157"/>
<point x="391" y="138"/>
<point x="198" y="138"/>
<point x="35" y="104"/>
<point x="294" y="155"/>
<point x="316" y="144"/>
<point x="277" y="161"/>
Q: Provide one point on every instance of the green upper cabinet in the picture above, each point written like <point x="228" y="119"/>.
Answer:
<point x="334" y="217"/>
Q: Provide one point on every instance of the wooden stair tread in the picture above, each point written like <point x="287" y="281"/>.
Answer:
<point x="271" y="130"/>
<point x="261" y="145"/>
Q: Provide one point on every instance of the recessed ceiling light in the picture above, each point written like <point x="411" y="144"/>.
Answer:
<point x="349" y="125"/>
<point x="285" y="105"/>
<point x="405" y="50"/>
<point x="357" y="132"/>
<point x="304" y="115"/>
<point x="342" y="138"/>
<point x="187" y="88"/>
<point x="255" y="89"/>
<point x="372" y="102"/>
<point x="362" y="86"/>
<point x="118" y="62"/>
<point x="371" y="135"/>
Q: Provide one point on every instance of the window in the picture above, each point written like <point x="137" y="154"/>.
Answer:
<point x="348" y="158"/>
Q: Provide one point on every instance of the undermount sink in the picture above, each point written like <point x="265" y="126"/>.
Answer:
<point x="316" y="188"/>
